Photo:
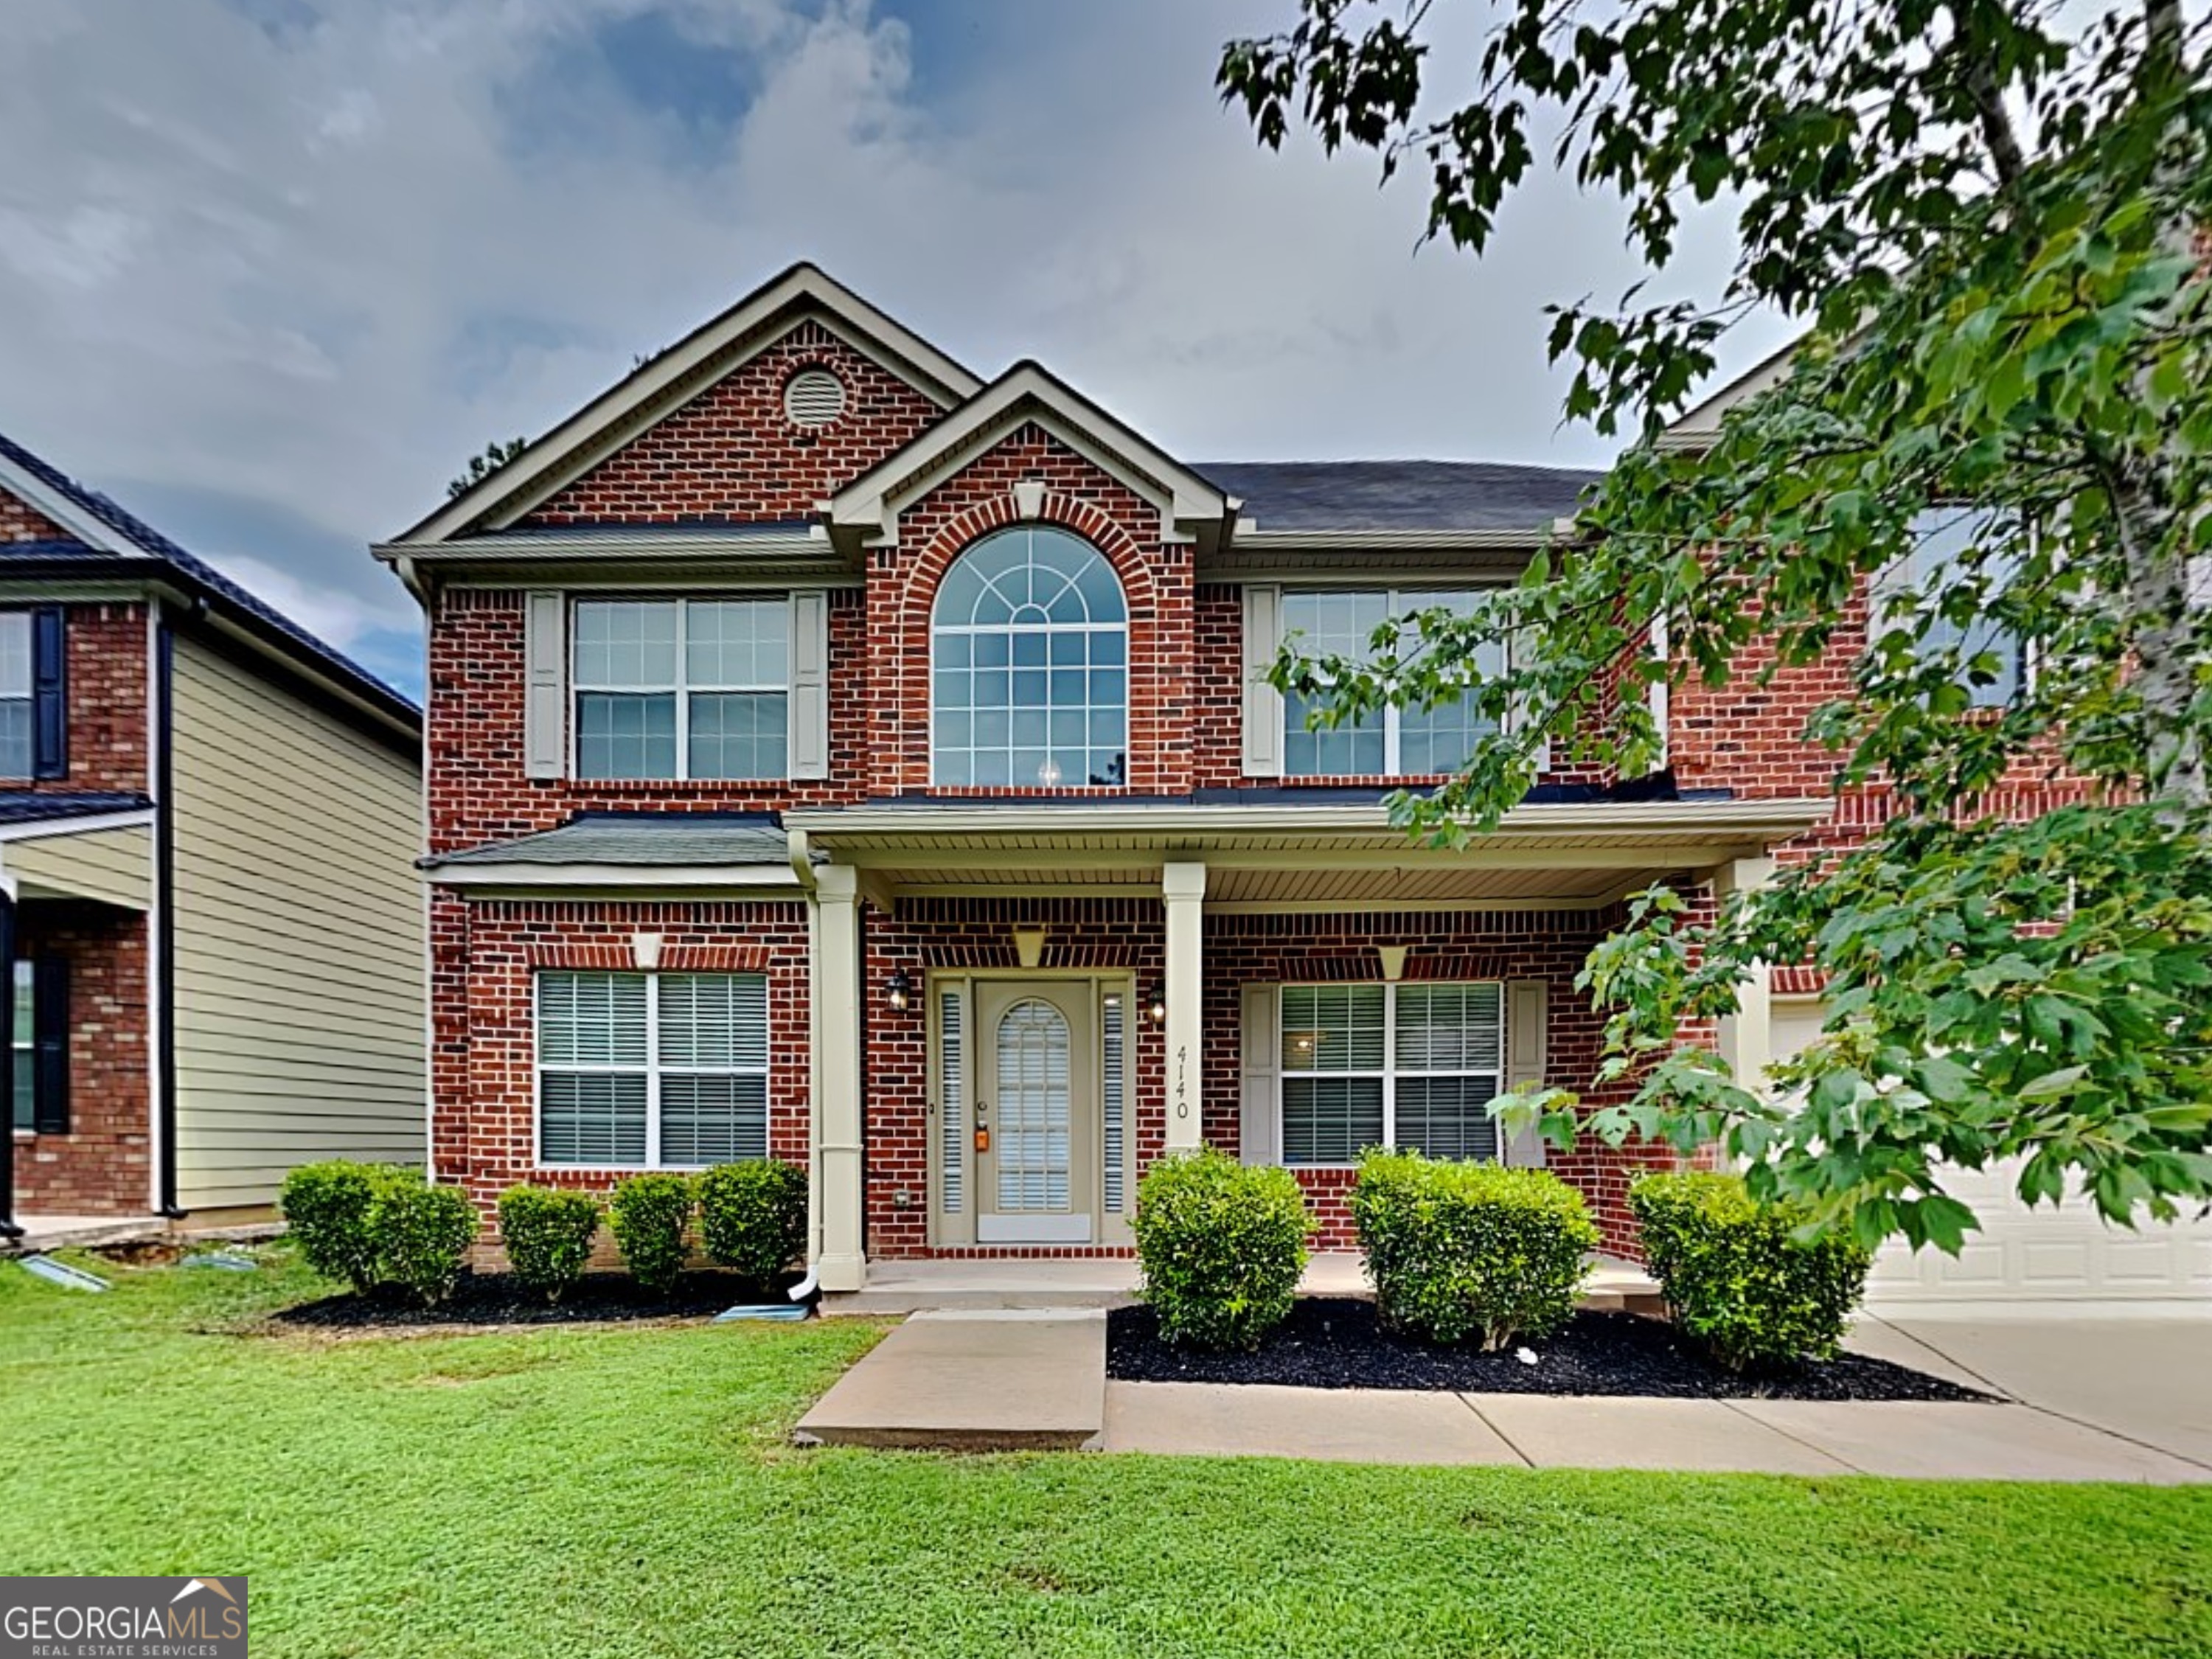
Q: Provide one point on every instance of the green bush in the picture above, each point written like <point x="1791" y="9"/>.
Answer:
<point x="548" y="1236"/>
<point x="648" y="1213"/>
<point x="1222" y="1245"/>
<point x="1737" y="1278"/>
<point x="752" y="1217"/>
<point x="1470" y="1249"/>
<point x="329" y="1212"/>
<point x="423" y="1232"/>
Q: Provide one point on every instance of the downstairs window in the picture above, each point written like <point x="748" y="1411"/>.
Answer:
<point x="638" y="1071"/>
<point x="1408" y="1066"/>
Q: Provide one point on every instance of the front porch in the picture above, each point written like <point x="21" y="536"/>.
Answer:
<point x="896" y="1287"/>
<point x="1017" y="1006"/>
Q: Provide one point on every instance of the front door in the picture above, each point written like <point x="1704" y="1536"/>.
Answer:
<point x="1036" y="1113"/>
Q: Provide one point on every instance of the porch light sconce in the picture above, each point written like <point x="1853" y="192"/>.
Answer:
<point x="1156" y="1006"/>
<point x="898" y="990"/>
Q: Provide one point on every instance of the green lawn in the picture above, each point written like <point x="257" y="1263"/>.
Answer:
<point x="629" y="1492"/>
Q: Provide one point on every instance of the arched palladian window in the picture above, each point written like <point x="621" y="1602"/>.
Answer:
<point x="1029" y="676"/>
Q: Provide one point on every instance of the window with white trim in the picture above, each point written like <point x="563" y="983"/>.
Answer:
<point x="1029" y="666"/>
<point x="683" y="688"/>
<point x="18" y="696"/>
<point x="1407" y="1065"/>
<point x="638" y="1071"/>
<point x="1940" y="537"/>
<point x="1392" y="742"/>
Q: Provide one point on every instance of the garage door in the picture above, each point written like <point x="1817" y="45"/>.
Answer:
<point x="2068" y="1253"/>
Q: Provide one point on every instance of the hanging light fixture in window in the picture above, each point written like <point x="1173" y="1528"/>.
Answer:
<point x="899" y="990"/>
<point x="1048" y="774"/>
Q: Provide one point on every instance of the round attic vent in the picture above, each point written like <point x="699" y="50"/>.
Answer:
<point x="814" y="396"/>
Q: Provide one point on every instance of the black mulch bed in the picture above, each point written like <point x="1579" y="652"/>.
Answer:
<point x="1337" y="1342"/>
<point x="496" y="1299"/>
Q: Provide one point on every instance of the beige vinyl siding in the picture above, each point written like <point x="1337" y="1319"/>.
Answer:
<point x="298" y="937"/>
<point x="115" y="867"/>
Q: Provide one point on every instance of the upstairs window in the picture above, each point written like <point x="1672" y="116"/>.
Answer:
<point x="17" y="695"/>
<point x="1029" y="656"/>
<point x="1393" y="741"/>
<point x="1940" y="537"/>
<point x="683" y="688"/>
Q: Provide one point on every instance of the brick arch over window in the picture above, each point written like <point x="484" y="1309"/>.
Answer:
<point x="1086" y="502"/>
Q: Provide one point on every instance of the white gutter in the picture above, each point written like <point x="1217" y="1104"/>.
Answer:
<point x="138" y="817"/>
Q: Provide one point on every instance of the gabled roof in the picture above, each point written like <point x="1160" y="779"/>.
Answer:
<point x="674" y="377"/>
<point x="101" y="528"/>
<point x="1190" y="507"/>
<point x="1697" y="426"/>
<point x="1395" y="495"/>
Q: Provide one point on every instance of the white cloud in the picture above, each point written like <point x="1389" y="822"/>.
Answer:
<point x="312" y="266"/>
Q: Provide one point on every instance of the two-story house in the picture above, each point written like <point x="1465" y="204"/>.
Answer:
<point x="836" y="754"/>
<point x="209" y="914"/>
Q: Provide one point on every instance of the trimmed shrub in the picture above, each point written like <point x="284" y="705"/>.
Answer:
<point x="752" y="1217"/>
<point x="1457" y="1250"/>
<point x="548" y="1236"/>
<point x="1737" y="1278"/>
<point x="648" y="1214"/>
<point x="423" y="1232"/>
<point x="329" y="1211"/>
<point x="1221" y="1244"/>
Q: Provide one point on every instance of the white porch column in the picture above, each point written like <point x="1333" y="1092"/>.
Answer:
<point x="1746" y="1038"/>
<point x="1183" y="888"/>
<point x="843" y="1263"/>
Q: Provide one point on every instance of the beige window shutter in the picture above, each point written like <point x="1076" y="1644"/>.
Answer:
<point x="1525" y="1016"/>
<point x="545" y="685"/>
<point x="1263" y="704"/>
<point x="1259" y="1128"/>
<point x="809" y="685"/>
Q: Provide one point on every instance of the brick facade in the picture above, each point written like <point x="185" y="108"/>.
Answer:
<point x="102" y="1166"/>
<point x="484" y="957"/>
<point x="730" y="456"/>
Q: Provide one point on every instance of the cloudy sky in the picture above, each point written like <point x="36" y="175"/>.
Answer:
<point x="271" y="270"/>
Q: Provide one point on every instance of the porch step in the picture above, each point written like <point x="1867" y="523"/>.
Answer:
<point x="992" y="1380"/>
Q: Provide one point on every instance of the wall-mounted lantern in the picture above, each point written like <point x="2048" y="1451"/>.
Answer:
<point x="1156" y="1005"/>
<point x="898" y="990"/>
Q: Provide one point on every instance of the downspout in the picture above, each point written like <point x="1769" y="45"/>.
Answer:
<point x="8" y="1229"/>
<point x="164" y="976"/>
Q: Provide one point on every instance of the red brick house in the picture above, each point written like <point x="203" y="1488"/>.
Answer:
<point x="209" y="917"/>
<point x="834" y="753"/>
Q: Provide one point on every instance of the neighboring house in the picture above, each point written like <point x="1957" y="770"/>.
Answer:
<point x="207" y="827"/>
<point x="837" y="755"/>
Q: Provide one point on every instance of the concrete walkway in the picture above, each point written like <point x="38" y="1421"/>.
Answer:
<point x="987" y="1380"/>
<point x="2104" y="1399"/>
<point x="2118" y="1398"/>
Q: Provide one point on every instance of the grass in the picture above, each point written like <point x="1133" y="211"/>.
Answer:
<point x="628" y="1491"/>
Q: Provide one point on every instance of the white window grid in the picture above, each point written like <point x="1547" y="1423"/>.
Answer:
<point x="653" y="1070"/>
<point x="1393" y="602"/>
<point x="17" y="694"/>
<point x="1938" y="534"/>
<point x="1390" y="1071"/>
<point x="1104" y="720"/>
<point x="681" y="686"/>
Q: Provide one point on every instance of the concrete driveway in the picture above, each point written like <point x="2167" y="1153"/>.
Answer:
<point x="2144" y="1374"/>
